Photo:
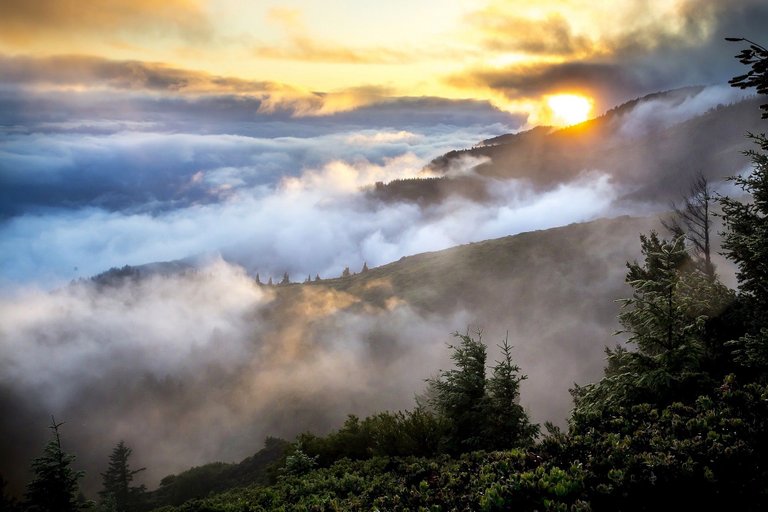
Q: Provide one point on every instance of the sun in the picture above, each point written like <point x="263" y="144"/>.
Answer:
<point x="568" y="109"/>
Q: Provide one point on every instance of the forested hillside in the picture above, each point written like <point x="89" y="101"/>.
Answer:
<point x="649" y="156"/>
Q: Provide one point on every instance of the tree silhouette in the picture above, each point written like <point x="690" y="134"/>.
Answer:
<point x="117" y="494"/>
<point x="693" y="219"/>
<point x="507" y="423"/>
<point x="756" y="56"/>
<point x="54" y="486"/>
<point x="458" y="395"/>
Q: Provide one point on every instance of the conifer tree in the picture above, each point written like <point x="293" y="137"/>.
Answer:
<point x="507" y="423"/>
<point x="665" y="320"/>
<point x="745" y="240"/>
<point x="117" y="494"/>
<point x="286" y="279"/>
<point x="345" y="273"/>
<point x="54" y="485"/>
<point x="458" y="395"/>
<point x="365" y="267"/>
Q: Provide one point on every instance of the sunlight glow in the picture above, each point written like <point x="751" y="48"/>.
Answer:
<point x="569" y="109"/>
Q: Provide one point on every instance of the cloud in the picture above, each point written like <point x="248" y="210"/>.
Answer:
<point x="86" y="72"/>
<point x="510" y="32"/>
<point x="201" y="366"/>
<point x="300" y="45"/>
<point x="669" y="46"/>
<point x="317" y="222"/>
<point x="23" y="21"/>
<point x="659" y="113"/>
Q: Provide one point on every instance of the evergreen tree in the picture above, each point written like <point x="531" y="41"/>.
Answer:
<point x="745" y="242"/>
<point x="258" y="279"/>
<point x="652" y="316"/>
<point x="286" y="279"/>
<point x="117" y="494"/>
<point x="269" y="283"/>
<point x="666" y="320"/>
<point x="458" y="395"/>
<point x="365" y="268"/>
<point x="507" y="423"/>
<point x="317" y="278"/>
<point x="54" y="486"/>
<point x="345" y="273"/>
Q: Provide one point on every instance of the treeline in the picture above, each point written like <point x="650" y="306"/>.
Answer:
<point x="462" y="410"/>
<point x="286" y="279"/>
<point x="54" y="485"/>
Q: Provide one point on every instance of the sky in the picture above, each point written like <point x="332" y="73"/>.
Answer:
<point x="313" y="57"/>
<point x="246" y="137"/>
<point x="126" y="126"/>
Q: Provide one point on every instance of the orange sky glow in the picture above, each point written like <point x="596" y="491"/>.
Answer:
<point x="356" y="52"/>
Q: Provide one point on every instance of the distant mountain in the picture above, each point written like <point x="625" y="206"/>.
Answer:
<point x="553" y="290"/>
<point x="640" y="144"/>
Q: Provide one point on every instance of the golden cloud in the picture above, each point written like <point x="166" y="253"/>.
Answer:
<point x="82" y="72"/>
<point x="583" y="28"/>
<point x="22" y="21"/>
<point x="299" y="45"/>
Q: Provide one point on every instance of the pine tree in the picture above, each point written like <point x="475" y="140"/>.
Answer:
<point x="317" y="278"/>
<point x="286" y="279"/>
<point x="54" y="486"/>
<point x="258" y="279"/>
<point x="458" y="395"/>
<point x="507" y="423"/>
<point x="745" y="242"/>
<point x="652" y="316"/>
<point x="345" y="273"/>
<point x="666" y="320"/>
<point x="117" y="494"/>
<point x="269" y="283"/>
<point x="365" y="268"/>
